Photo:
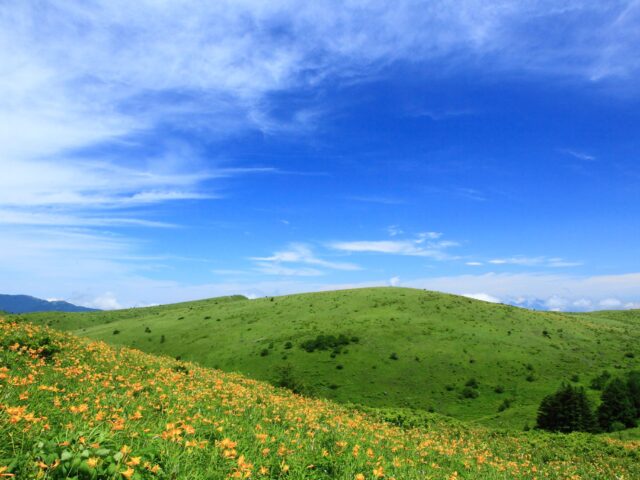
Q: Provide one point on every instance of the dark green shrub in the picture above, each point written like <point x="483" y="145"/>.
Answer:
<point x="393" y="356"/>
<point x="472" y="382"/>
<point x="499" y="389"/>
<point x="264" y="352"/>
<point x="506" y="403"/>
<point x="116" y="332"/>
<point x="325" y="342"/>
<point x="468" y="392"/>
<point x="288" y="345"/>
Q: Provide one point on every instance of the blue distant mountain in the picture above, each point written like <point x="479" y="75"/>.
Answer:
<point x="27" y="304"/>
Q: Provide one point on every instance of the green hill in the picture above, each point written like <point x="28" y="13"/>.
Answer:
<point x="391" y="347"/>
<point x="75" y="409"/>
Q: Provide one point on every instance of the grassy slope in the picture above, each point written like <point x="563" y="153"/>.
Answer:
<point x="441" y="342"/>
<point x="73" y="409"/>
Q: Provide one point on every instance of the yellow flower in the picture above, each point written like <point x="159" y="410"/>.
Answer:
<point x="4" y="473"/>
<point x="92" y="462"/>
<point x="359" y="476"/>
<point x="128" y="473"/>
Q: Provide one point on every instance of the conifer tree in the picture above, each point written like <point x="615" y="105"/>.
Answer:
<point x="567" y="410"/>
<point x="616" y="406"/>
<point x="633" y="385"/>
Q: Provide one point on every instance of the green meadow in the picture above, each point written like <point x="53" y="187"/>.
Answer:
<point x="393" y="348"/>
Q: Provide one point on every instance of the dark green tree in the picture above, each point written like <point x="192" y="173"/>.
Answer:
<point x="567" y="410"/>
<point x="616" y="406"/>
<point x="633" y="385"/>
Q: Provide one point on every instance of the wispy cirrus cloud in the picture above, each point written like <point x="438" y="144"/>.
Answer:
<point x="301" y="255"/>
<point x="377" y="199"/>
<point x="427" y="244"/>
<point x="578" y="154"/>
<point x="542" y="261"/>
<point x="69" y="84"/>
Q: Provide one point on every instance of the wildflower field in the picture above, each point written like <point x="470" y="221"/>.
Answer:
<point x="75" y="408"/>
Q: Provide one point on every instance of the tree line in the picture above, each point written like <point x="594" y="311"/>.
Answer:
<point x="569" y="409"/>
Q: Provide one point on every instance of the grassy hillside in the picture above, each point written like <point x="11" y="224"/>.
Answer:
<point x="406" y="348"/>
<point x="75" y="409"/>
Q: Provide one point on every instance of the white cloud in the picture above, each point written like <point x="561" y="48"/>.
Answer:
<point x="554" y="262"/>
<point x="429" y="236"/>
<point x="279" y="270"/>
<point x="394" y="281"/>
<point x="106" y="301"/>
<point x="583" y="304"/>
<point x="579" y="155"/>
<point x="394" y="230"/>
<point x="548" y="291"/>
<point x="19" y="217"/>
<point x="485" y="297"/>
<point x="610" y="303"/>
<point x="298" y="253"/>
<point x="474" y="264"/>
<point x="376" y="199"/>
<point x="424" y="245"/>
<point x="558" y="292"/>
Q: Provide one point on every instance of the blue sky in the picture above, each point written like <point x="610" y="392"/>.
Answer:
<point x="163" y="151"/>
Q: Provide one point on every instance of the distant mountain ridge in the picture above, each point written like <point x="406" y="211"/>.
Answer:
<point x="28" y="304"/>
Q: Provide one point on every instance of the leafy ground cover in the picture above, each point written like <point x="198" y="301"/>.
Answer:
<point x="80" y="409"/>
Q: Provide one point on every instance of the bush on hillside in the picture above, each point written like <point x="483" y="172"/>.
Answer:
<point x="468" y="392"/>
<point x="506" y="403"/>
<point x="567" y="410"/>
<point x="472" y="382"/>
<point x="326" y="342"/>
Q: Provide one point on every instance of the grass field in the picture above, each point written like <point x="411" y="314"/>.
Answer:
<point x="406" y="348"/>
<point x="75" y="409"/>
